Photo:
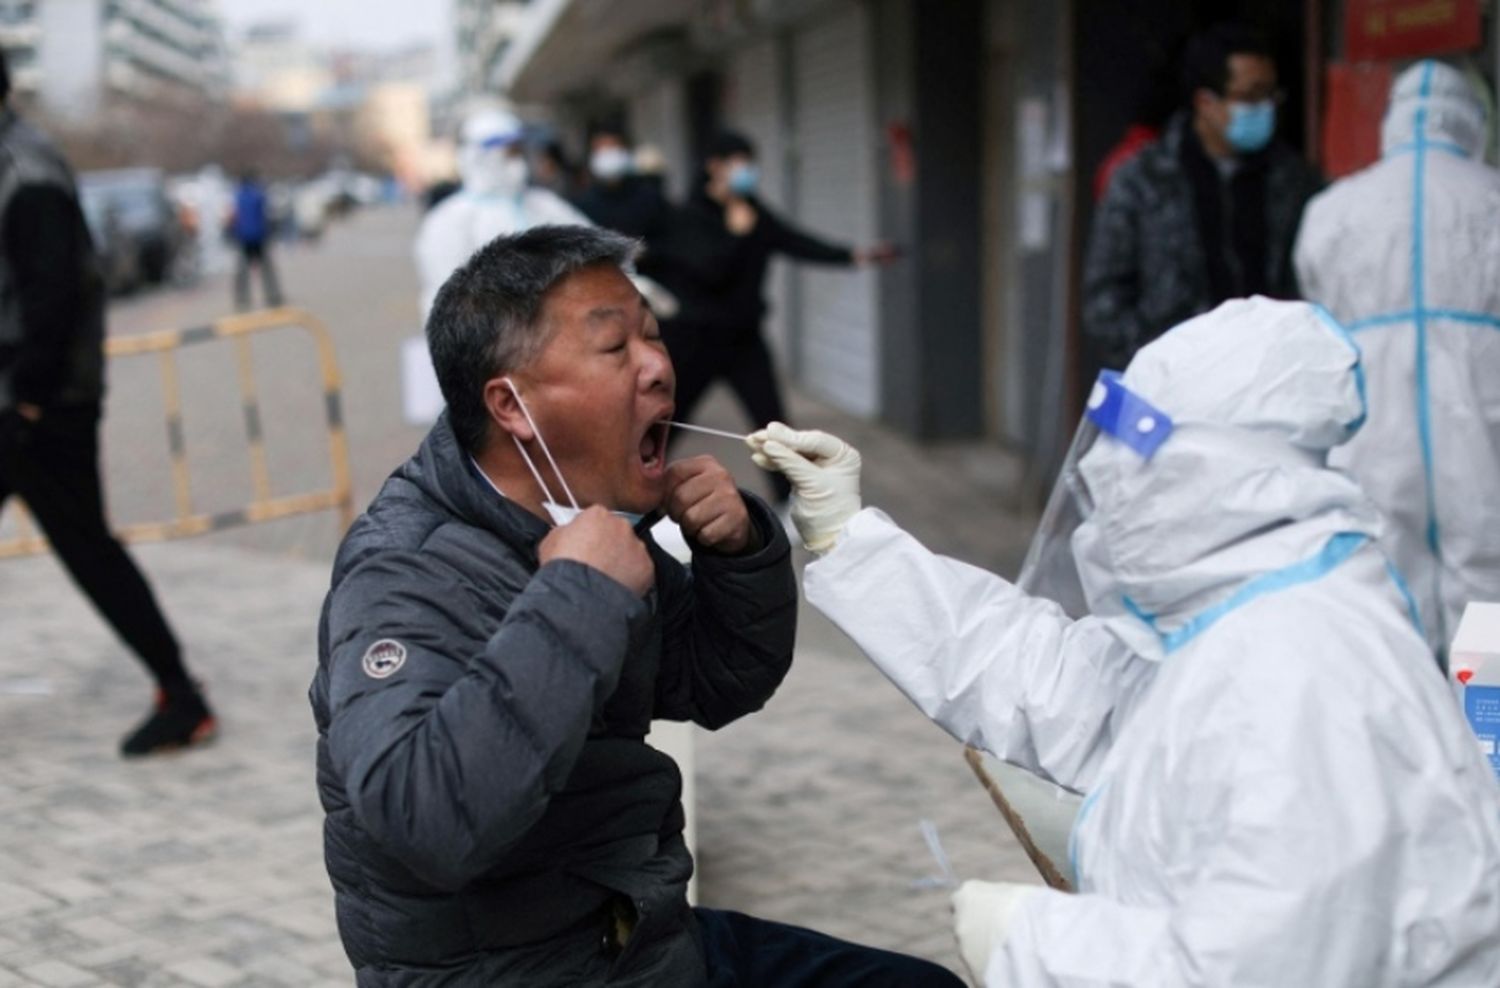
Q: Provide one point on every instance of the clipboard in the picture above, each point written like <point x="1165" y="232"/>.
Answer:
<point x="1038" y="813"/>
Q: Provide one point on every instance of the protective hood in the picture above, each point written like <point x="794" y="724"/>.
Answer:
<point x="485" y="161"/>
<point x="1436" y="103"/>
<point x="1258" y="391"/>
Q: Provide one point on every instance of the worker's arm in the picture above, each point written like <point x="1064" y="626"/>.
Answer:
<point x="997" y="669"/>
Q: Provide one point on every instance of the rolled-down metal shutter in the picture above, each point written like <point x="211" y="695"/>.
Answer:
<point x="753" y="106"/>
<point x="657" y="117"/>
<point x="839" y="332"/>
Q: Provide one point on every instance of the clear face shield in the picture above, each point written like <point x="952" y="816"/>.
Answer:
<point x="1113" y="414"/>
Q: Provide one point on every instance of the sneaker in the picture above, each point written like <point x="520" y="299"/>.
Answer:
<point x="181" y="719"/>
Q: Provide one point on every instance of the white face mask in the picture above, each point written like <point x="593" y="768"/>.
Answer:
<point x="560" y="514"/>
<point x="609" y="164"/>
<point x="496" y="173"/>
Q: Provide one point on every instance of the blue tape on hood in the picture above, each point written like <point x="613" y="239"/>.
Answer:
<point x="1121" y="413"/>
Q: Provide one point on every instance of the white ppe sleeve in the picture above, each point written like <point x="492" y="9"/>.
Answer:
<point x="997" y="669"/>
<point x="444" y="242"/>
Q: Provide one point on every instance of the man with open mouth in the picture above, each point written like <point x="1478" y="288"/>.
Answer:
<point x="500" y="632"/>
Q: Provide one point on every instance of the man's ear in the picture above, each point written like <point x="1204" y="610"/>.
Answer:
<point x="505" y="409"/>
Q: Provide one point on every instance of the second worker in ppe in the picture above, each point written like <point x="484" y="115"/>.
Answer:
<point x="1279" y="787"/>
<point x="496" y="198"/>
<point x="1407" y="254"/>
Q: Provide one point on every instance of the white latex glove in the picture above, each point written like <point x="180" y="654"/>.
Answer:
<point x="824" y="471"/>
<point x="982" y="913"/>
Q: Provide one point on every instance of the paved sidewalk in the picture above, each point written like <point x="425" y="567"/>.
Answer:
<point x="205" y="869"/>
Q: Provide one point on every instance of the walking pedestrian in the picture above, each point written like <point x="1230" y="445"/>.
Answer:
<point x="251" y="229"/>
<point x="51" y="396"/>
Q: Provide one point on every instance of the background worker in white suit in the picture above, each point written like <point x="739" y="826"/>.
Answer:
<point x="496" y="198"/>
<point x="1406" y="253"/>
<point x="1280" y="789"/>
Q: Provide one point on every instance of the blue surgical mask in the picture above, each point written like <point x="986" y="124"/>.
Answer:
<point x="744" y="179"/>
<point x="1251" y="125"/>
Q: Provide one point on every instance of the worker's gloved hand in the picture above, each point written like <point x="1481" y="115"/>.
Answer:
<point x="824" y="471"/>
<point x="982" y="914"/>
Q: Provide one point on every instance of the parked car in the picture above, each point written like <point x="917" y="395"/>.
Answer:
<point x="119" y="253"/>
<point x="138" y="197"/>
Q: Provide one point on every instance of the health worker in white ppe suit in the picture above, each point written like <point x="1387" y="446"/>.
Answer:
<point x="1280" y="790"/>
<point x="496" y="198"/>
<point x="1406" y="253"/>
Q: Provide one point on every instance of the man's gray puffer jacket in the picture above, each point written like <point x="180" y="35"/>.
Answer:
<point x="491" y="802"/>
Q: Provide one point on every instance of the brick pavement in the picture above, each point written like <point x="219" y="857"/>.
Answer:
<point x="205" y="868"/>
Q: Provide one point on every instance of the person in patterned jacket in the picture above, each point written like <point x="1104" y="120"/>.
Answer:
<point x="1206" y="214"/>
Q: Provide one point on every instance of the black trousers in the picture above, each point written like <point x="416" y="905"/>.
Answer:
<point x="744" y="952"/>
<point x="53" y="464"/>
<point x="258" y="254"/>
<point x="741" y="358"/>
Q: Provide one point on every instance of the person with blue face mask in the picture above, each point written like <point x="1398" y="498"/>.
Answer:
<point x="714" y="259"/>
<point x="1206" y="214"/>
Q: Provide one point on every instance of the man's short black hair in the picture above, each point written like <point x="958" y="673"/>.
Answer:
<point x="1206" y="63"/>
<point x="4" y="77"/>
<point x="728" y="143"/>
<point x="610" y="127"/>
<point x="486" y="319"/>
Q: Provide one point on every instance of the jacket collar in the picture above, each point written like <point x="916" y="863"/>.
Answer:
<point x="442" y="470"/>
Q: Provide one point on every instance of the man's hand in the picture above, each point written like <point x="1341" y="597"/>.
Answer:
<point x="824" y="471"/>
<point x="740" y="217"/>
<point x="881" y="253"/>
<point x="703" y="501"/>
<point x="29" y="412"/>
<point x="604" y="542"/>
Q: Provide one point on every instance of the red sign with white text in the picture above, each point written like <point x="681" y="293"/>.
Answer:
<point x="1380" y="29"/>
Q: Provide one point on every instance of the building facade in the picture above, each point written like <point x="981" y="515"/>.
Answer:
<point x="482" y="31"/>
<point x="965" y="133"/>
<point x="73" y="57"/>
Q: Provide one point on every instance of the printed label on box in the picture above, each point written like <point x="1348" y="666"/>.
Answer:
<point x="1482" y="707"/>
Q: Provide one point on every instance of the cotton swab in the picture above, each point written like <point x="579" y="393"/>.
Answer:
<point x="707" y="431"/>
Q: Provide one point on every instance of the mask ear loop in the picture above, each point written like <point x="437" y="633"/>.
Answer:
<point x="547" y="452"/>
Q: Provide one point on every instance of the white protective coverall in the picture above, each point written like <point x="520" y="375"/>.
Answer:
<point x="495" y="200"/>
<point x="1280" y="789"/>
<point x="1406" y="253"/>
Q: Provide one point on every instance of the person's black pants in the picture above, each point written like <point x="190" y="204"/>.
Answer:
<point x="53" y="464"/>
<point x="740" y="357"/>
<point x="744" y="952"/>
<point x="258" y="254"/>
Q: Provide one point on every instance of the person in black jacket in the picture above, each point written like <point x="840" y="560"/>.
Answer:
<point x="714" y="259"/>
<point x="616" y="198"/>
<point x="1208" y="212"/>
<point x="51" y="398"/>
<point x="501" y="631"/>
